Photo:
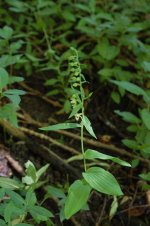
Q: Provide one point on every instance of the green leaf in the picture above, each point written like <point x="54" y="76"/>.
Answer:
<point x="132" y="128"/>
<point x="14" y="79"/>
<point x="128" y="116"/>
<point x="92" y="154"/>
<point x="145" y="148"/>
<point x="86" y="122"/>
<point x="15" y="46"/>
<point x="17" y="6"/>
<point x="51" y="82"/>
<point x="102" y="181"/>
<point x="41" y="171"/>
<point x="30" y="198"/>
<point x="55" y="192"/>
<point x="23" y="224"/>
<point x="145" y="176"/>
<point x="130" y="87"/>
<point x="105" y="73"/>
<point x="8" y="212"/>
<point x="61" y="126"/>
<point x="9" y="183"/>
<point x="2" y="192"/>
<point x="15" y="99"/>
<point x="68" y="15"/>
<point x="113" y="209"/>
<point x="16" y="198"/>
<point x="67" y="106"/>
<point x="30" y="177"/>
<point x="3" y="78"/>
<point x="6" y="32"/>
<point x="14" y="92"/>
<point x="145" y="115"/>
<point x="135" y="163"/>
<point x="7" y="60"/>
<point x="146" y="66"/>
<point x="8" y="112"/>
<point x="28" y="180"/>
<point x="75" y="110"/>
<point x="2" y="223"/>
<point x="11" y="212"/>
<point x="53" y="92"/>
<point x="32" y="58"/>
<point x="78" y="195"/>
<point x="130" y="143"/>
<point x="116" y="97"/>
<point x="106" y="50"/>
<point x="40" y="213"/>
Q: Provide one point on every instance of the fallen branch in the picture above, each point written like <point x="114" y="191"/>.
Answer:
<point x="44" y="152"/>
<point x="91" y="142"/>
<point x="39" y="94"/>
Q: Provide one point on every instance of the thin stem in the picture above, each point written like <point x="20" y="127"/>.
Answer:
<point x="82" y="98"/>
<point x="45" y="32"/>
<point x="82" y="127"/>
<point x="82" y="146"/>
<point x="47" y="39"/>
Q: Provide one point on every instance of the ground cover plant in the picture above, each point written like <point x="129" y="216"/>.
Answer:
<point x="89" y="60"/>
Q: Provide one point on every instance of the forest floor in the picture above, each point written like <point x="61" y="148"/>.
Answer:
<point x="37" y="111"/>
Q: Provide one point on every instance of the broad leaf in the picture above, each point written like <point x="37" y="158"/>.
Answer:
<point x="8" y="112"/>
<point x="130" y="87"/>
<point x="14" y="79"/>
<point x="55" y="192"/>
<point x="30" y="176"/>
<point x="116" y="97"/>
<point x="102" y="181"/>
<point x="9" y="183"/>
<point x="2" y="223"/>
<point x="128" y="116"/>
<point x="92" y="154"/>
<point x="107" y="51"/>
<point x="7" y="60"/>
<point x="6" y="32"/>
<point x="30" y="198"/>
<point x="146" y="66"/>
<point x="145" y="176"/>
<point x="15" y="99"/>
<point x="14" y="92"/>
<point x="50" y="82"/>
<point x="40" y="213"/>
<point x="77" y="197"/>
<point x="16" y="198"/>
<point x="130" y="143"/>
<point x="8" y="212"/>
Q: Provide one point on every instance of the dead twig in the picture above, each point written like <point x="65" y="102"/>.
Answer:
<point x="48" y="138"/>
<point x="133" y="207"/>
<point x="59" y="161"/>
<point x="43" y="151"/>
<point x="101" y="213"/>
<point x="91" y="142"/>
<point x="39" y="94"/>
<point x="21" y="131"/>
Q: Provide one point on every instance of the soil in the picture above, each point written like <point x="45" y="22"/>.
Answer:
<point x="133" y="207"/>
